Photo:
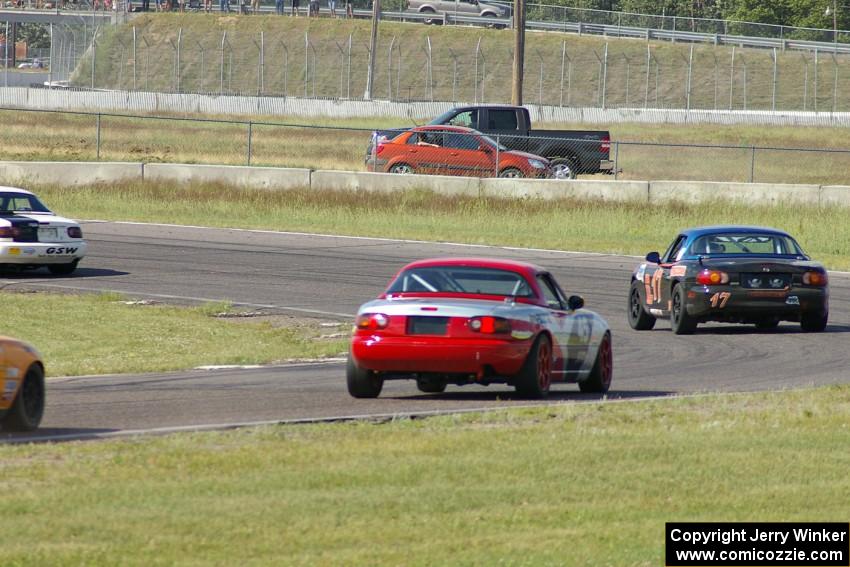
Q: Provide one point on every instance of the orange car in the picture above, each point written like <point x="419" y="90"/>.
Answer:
<point x="452" y="150"/>
<point x="22" y="392"/>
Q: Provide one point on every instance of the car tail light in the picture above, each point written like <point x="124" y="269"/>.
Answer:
<point x="815" y="278"/>
<point x="372" y="321"/>
<point x="75" y="232"/>
<point x="606" y="145"/>
<point x="490" y="325"/>
<point x="712" y="277"/>
<point x="10" y="232"/>
<point x="379" y="149"/>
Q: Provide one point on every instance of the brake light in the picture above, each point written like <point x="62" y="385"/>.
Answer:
<point x="75" y="232"/>
<point x="372" y="321"/>
<point x="606" y="145"/>
<point x="10" y="232"/>
<point x="379" y="149"/>
<point x="815" y="278"/>
<point x="490" y="325"/>
<point x="712" y="277"/>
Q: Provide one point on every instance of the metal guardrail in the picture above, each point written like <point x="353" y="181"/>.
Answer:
<point x="609" y="30"/>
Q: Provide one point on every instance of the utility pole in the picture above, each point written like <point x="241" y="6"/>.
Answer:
<point x="373" y="47"/>
<point x="519" y="52"/>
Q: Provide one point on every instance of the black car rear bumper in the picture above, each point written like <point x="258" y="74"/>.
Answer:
<point x="737" y="304"/>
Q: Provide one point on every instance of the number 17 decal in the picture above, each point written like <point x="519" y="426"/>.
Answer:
<point x="720" y="298"/>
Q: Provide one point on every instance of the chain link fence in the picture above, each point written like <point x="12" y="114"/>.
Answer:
<point x="33" y="135"/>
<point x="293" y="62"/>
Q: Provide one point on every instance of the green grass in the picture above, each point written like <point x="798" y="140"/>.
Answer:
<point x="117" y="337"/>
<point x="647" y="152"/>
<point x="324" y="73"/>
<point x="563" y="485"/>
<point x="622" y="228"/>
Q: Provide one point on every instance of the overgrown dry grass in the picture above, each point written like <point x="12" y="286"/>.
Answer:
<point x="641" y="151"/>
<point x="321" y="69"/>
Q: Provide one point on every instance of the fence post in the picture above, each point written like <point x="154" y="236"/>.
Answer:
<point x="835" y="83"/>
<point x="646" y="83"/>
<point x="690" y="70"/>
<point x="496" y="173"/>
<point x="134" y="58"/>
<point x="97" y="137"/>
<point x="604" y="75"/>
<point x="250" y="136"/>
<point x="752" y="164"/>
<point x="773" y="95"/>
<point x="816" y="80"/>
<point x="616" y="159"/>
<point x="732" y="78"/>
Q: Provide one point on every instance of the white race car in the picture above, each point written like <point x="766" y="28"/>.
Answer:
<point x="31" y="236"/>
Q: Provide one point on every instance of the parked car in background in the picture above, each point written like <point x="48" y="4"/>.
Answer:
<point x="478" y="321"/>
<point x="22" y="395"/>
<point x="732" y="274"/>
<point x="458" y="8"/>
<point x="32" y="236"/>
<point x="452" y="150"/>
<point x="570" y="152"/>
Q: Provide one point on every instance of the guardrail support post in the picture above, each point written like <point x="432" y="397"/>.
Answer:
<point x="752" y="164"/>
<point x="250" y="136"/>
<point x="97" y="136"/>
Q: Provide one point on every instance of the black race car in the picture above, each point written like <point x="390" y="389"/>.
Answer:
<point x="734" y="274"/>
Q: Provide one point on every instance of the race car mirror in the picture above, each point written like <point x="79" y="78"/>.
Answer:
<point x="575" y="302"/>
<point x="653" y="257"/>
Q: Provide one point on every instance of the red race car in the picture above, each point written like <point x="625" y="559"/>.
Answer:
<point x="452" y="150"/>
<point x="478" y="321"/>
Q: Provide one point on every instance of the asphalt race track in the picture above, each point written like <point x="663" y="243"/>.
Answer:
<point x="329" y="277"/>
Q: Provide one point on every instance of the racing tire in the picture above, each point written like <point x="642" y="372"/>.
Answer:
<point x="430" y="386"/>
<point x="639" y="319"/>
<point x="27" y="410"/>
<point x="535" y="377"/>
<point x="680" y="321"/>
<point x="511" y="173"/>
<point x="402" y="169"/>
<point x="564" y="169"/>
<point x="362" y="383"/>
<point x="814" y="322"/>
<point x="63" y="269"/>
<point x="599" y="380"/>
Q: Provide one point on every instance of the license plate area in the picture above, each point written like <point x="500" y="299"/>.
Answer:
<point x="766" y="281"/>
<point x="427" y="325"/>
<point x="47" y="234"/>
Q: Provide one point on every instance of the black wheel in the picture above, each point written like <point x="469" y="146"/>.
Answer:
<point x="680" y="321"/>
<point x="28" y="408"/>
<point x="767" y="324"/>
<point x="63" y="269"/>
<point x="599" y="380"/>
<point x="639" y="319"/>
<point x="564" y="169"/>
<point x="362" y="383"/>
<point x="431" y="385"/>
<point x="511" y="172"/>
<point x="814" y="322"/>
<point x="534" y="379"/>
<point x="401" y="168"/>
<point x="430" y="21"/>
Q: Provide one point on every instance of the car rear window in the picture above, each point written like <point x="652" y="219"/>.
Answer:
<point x="461" y="279"/>
<point x="745" y="243"/>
